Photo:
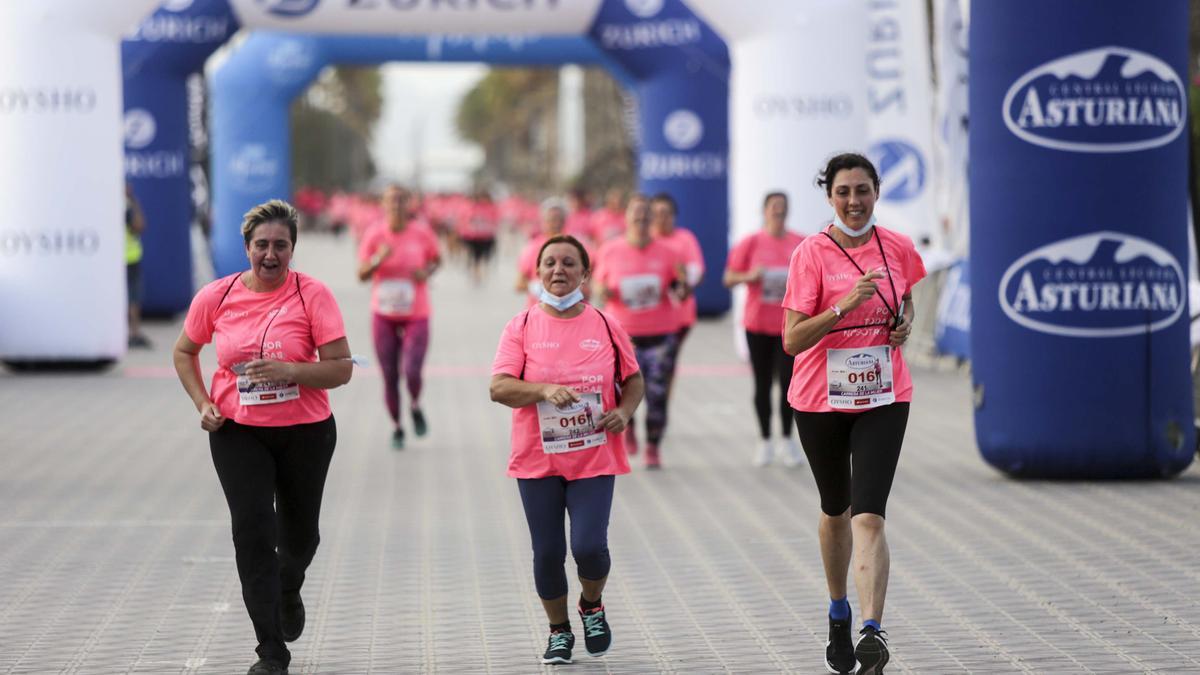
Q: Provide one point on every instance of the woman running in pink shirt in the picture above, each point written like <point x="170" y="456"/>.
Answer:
<point x="280" y="344"/>
<point x="568" y="372"/>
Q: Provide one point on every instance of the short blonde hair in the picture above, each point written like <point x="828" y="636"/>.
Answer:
<point x="275" y="210"/>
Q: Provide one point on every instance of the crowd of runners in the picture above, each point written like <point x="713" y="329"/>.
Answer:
<point x="608" y="299"/>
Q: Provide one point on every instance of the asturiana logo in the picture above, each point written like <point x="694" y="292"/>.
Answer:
<point x="861" y="361"/>
<point x="644" y="9"/>
<point x="683" y="129"/>
<point x="289" y="8"/>
<point x="252" y="168"/>
<point x="1110" y="99"/>
<point x="140" y="128"/>
<point x="902" y="170"/>
<point x="1104" y="284"/>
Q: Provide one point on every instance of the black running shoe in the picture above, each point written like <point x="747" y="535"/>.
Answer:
<point x="267" y="667"/>
<point x="871" y="651"/>
<point x="839" y="650"/>
<point x="597" y="636"/>
<point x="419" y="424"/>
<point x="291" y="616"/>
<point x="558" y="648"/>
<point x="398" y="439"/>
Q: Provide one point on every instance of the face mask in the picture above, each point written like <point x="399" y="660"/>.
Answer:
<point x="849" y="231"/>
<point x="561" y="304"/>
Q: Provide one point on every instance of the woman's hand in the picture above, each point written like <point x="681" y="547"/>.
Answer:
<point x="864" y="289"/>
<point x="559" y="395"/>
<point x="900" y="333"/>
<point x="262" y="371"/>
<point x="615" y="420"/>
<point x="211" y="418"/>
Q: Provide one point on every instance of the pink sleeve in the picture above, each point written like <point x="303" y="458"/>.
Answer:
<point x="803" y="282"/>
<point x="739" y="257"/>
<point x="324" y="316"/>
<point x="367" y="248"/>
<point x="914" y="270"/>
<point x="199" y="322"/>
<point x="695" y="254"/>
<point x="510" y="354"/>
<point x="629" y="364"/>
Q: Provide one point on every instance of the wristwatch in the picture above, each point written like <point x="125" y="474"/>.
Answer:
<point x="836" y="310"/>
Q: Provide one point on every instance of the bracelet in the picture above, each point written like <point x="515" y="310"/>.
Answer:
<point x="836" y="310"/>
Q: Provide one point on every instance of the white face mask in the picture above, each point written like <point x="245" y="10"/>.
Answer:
<point x="849" y="231"/>
<point x="561" y="304"/>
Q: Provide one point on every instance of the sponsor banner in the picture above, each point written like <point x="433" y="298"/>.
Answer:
<point x="635" y="25"/>
<point x="900" y="117"/>
<point x="413" y="17"/>
<point x="950" y="123"/>
<point x="1079" y="237"/>
<point x="952" y="330"/>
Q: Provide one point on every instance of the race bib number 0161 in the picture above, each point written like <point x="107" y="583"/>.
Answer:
<point x="262" y="393"/>
<point x="572" y="427"/>
<point x="859" y="378"/>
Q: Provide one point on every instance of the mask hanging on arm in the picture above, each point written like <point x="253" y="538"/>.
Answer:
<point x="561" y="304"/>
<point x="851" y="232"/>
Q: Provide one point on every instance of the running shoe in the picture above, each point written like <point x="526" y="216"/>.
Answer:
<point x="140" y="341"/>
<point x="398" y="439"/>
<point x="871" y="651"/>
<point x="419" y="424"/>
<point x="766" y="451"/>
<point x="631" y="442"/>
<point x="793" y="456"/>
<point x="267" y="667"/>
<point x="291" y="615"/>
<point x="597" y="636"/>
<point x="558" y="647"/>
<point x="839" y="650"/>
<point x="652" y="461"/>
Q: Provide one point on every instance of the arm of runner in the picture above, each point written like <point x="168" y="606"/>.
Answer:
<point x="521" y="285"/>
<point x="901" y="333"/>
<point x="423" y="273"/>
<point x="632" y="390"/>
<point x="515" y="393"/>
<point x="733" y="278"/>
<point x="801" y="332"/>
<point x="187" y="367"/>
<point x="368" y="266"/>
<point x="333" y="369"/>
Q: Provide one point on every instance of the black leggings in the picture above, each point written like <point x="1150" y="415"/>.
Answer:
<point x="869" y="440"/>
<point x="770" y="362"/>
<point x="273" y="478"/>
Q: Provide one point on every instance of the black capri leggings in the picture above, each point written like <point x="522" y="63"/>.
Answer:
<point x="870" y="441"/>
<point x="770" y="362"/>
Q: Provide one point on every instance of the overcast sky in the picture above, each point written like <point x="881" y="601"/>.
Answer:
<point x="420" y="101"/>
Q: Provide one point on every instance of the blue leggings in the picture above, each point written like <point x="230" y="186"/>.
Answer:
<point x="547" y="501"/>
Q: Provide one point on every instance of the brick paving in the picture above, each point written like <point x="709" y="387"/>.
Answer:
<point x="115" y="553"/>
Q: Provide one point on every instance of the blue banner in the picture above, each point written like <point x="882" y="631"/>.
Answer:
<point x="952" y="331"/>
<point x="1079" y="331"/>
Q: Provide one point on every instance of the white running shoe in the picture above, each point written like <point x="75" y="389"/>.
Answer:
<point x="765" y="453"/>
<point x="793" y="456"/>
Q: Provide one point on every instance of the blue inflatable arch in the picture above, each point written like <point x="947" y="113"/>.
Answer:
<point x="672" y="61"/>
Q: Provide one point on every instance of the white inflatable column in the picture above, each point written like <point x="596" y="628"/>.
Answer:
<point x="62" y="278"/>
<point x="797" y="95"/>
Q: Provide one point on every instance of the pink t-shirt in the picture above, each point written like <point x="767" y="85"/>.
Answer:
<point x="478" y="221"/>
<point x="764" y="313"/>
<point x="693" y="260"/>
<point x="638" y="281"/>
<point x="818" y="276"/>
<point x="607" y="225"/>
<point x="579" y="224"/>
<point x="394" y="292"/>
<point x="527" y="265"/>
<point x="575" y="352"/>
<point x="287" y="324"/>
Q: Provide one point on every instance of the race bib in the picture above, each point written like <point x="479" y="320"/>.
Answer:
<point x="572" y="427"/>
<point x="641" y="292"/>
<point x="859" y="378"/>
<point x="774" y="285"/>
<point x="396" y="296"/>
<point x="262" y="393"/>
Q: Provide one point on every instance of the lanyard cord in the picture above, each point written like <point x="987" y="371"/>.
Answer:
<point x="893" y="312"/>
<point x="263" y="343"/>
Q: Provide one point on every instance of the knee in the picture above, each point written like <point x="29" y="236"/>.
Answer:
<point x="592" y="559"/>
<point x="868" y="524"/>
<point x="254" y="532"/>
<point x="548" y="559"/>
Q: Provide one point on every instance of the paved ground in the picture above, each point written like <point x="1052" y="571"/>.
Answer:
<point x="115" y="553"/>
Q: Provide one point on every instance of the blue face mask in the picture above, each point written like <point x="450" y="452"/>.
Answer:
<point x="561" y="304"/>
<point x="849" y="231"/>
